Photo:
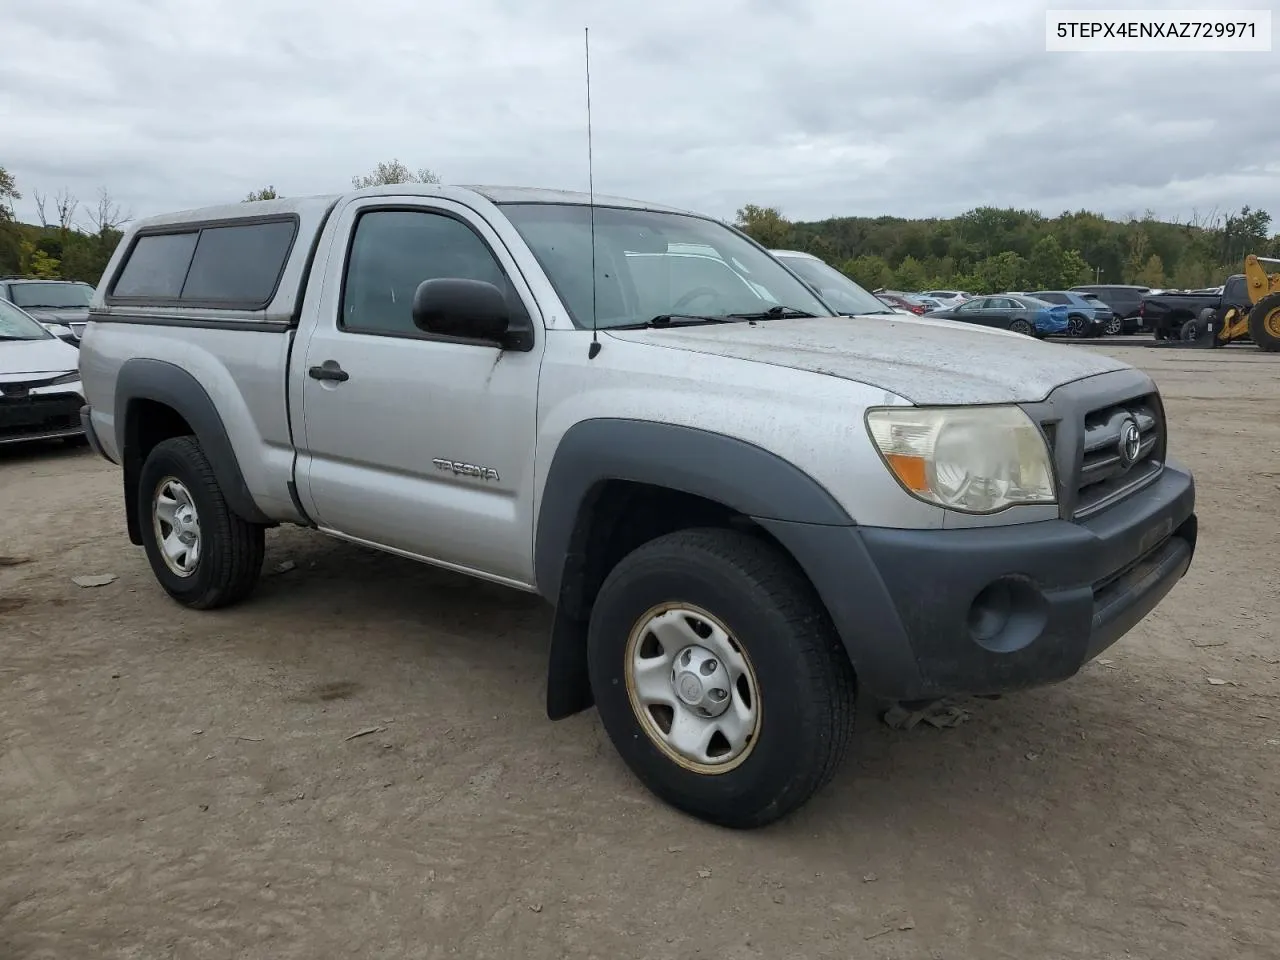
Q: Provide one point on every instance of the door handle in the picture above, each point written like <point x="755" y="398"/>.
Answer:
<point x="329" y="370"/>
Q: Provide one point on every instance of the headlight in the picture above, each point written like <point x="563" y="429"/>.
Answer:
<point x="71" y="377"/>
<point x="970" y="459"/>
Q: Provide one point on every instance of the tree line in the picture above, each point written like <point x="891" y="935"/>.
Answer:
<point x="986" y="250"/>
<point x="992" y="249"/>
<point x="74" y="239"/>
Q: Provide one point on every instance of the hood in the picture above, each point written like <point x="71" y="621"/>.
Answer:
<point x="29" y="359"/>
<point x="59" y="314"/>
<point x="925" y="361"/>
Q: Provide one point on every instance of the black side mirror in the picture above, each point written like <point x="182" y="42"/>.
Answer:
<point x="454" y="307"/>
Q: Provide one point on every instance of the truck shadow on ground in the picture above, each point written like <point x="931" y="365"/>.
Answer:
<point x="1070" y="750"/>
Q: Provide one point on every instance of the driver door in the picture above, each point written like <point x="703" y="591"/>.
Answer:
<point x="419" y="442"/>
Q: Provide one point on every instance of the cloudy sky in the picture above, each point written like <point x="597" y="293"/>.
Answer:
<point x="821" y="107"/>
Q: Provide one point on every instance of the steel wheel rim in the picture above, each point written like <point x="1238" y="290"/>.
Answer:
<point x="1271" y="322"/>
<point x="176" y="524"/>
<point x="664" y="701"/>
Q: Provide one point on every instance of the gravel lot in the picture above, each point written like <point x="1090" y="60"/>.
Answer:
<point x="184" y="785"/>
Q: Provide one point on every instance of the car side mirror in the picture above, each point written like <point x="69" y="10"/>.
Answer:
<point x="454" y="307"/>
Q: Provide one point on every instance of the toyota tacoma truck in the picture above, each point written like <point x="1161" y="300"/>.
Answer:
<point x="745" y="509"/>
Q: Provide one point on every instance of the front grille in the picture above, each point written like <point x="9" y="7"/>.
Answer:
<point x="38" y="415"/>
<point x="1108" y="472"/>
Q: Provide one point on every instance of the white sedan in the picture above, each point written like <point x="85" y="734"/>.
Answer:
<point x="40" y="391"/>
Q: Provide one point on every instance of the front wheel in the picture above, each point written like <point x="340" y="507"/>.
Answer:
<point x="201" y="552"/>
<point x="1023" y="327"/>
<point x="1114" y="327"/>
<point x="719" y="676"/>
<point x="1264" y="323"/>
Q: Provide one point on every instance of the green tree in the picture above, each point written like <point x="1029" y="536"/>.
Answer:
<point x="8" y="193"/>
<point x="871" y="271"/>
<point x="1152" y="272"/>
<point x="1004" y="271"/>
<point x="266" y="193"/>
<point x="394" y="172"/>
<point x="910" y="275"/>
<point x="765" y="225"/>
<point x="1053" y="268"/>
<point x="34" y="262"/>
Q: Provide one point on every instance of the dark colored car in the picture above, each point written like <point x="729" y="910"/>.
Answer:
<point x="1124" y="300"/>
<point x="1173" y="316"/>
<point x="1020" y="313"/>
<point x="1085" y="318"/>
<point x="60" y="306"/>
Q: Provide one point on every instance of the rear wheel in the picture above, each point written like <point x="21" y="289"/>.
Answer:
<point x="1077" y="326"/>
<point x="1115" y="327"/>
<point x="719" y="676"/>
<point x="1264" y="323"/>
<point x="1023" y="326"/>
<point x="203" y="554"/>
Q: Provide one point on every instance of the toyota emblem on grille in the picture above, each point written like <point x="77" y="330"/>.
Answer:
<point x="1130" y="442"/>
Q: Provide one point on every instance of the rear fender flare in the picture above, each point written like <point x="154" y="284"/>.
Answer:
<point x="169" y="384"/>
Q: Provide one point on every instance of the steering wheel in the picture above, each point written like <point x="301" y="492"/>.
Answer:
<point x="680" y="305"/>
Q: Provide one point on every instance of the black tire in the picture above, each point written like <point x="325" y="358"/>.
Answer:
<point x="805" y="686"/>
<point x="1078" y="326"/>
<point x="1264" y="323"/>
<point x="1191" y="331"/>
<point x="1114" y="327"/>
<point x="231" y="548"/>
<point x="1023" y="327"/>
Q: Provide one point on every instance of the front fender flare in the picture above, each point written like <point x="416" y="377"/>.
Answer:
<point x="739" y="475"/>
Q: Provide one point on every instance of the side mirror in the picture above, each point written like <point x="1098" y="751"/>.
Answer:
<point x="454" y="307"/>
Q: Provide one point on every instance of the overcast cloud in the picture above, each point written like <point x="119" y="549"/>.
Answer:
<point x="821" y="107"/>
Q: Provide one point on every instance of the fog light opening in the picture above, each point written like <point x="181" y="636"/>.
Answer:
<point x="1007" y="615"/>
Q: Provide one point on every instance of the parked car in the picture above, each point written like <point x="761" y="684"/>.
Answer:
<point x="929" y="303"/>
<point x="1123" y="299"/>
<point x="1085" y="318"/>
<point x="40" y="392"/>
<point x="835" y="288"/>
<point x="744" y="514"/>
<point x="949" y="298"/>
<point x="902" y="302"/>
<point x="1016" y="312"/>
<point x="1173" y="316"/>
<point x="62" y="306"/>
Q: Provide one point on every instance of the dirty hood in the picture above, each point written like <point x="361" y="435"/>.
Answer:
<point x="33" y="359"/>
<point x="924" y="361"/>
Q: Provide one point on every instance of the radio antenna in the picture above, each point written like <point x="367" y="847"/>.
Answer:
<point x="591" y="201"/>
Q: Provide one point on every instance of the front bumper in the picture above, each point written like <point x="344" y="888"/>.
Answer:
<point x="40" y="415"/>
<point x="932" y="613"/>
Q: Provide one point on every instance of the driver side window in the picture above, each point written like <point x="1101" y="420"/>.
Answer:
<point x="393" y="251"/>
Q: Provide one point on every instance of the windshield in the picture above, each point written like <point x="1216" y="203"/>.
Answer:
<point x="651" y="264"/>
<point x="16" y="325"/>
<point x="834" y="287"/>
<point x="57" y="295"/>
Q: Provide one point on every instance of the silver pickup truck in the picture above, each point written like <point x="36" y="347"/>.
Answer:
<point x="745" y="508"/>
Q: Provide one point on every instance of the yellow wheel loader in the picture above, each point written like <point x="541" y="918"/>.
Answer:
<point x="1259" y="321"/>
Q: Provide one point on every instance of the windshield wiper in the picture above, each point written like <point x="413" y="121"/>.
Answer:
<point x="670" y="320"/>
<point x="772" y="313"/>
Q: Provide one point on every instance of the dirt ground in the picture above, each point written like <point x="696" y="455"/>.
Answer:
<point x="177" y="784"/>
